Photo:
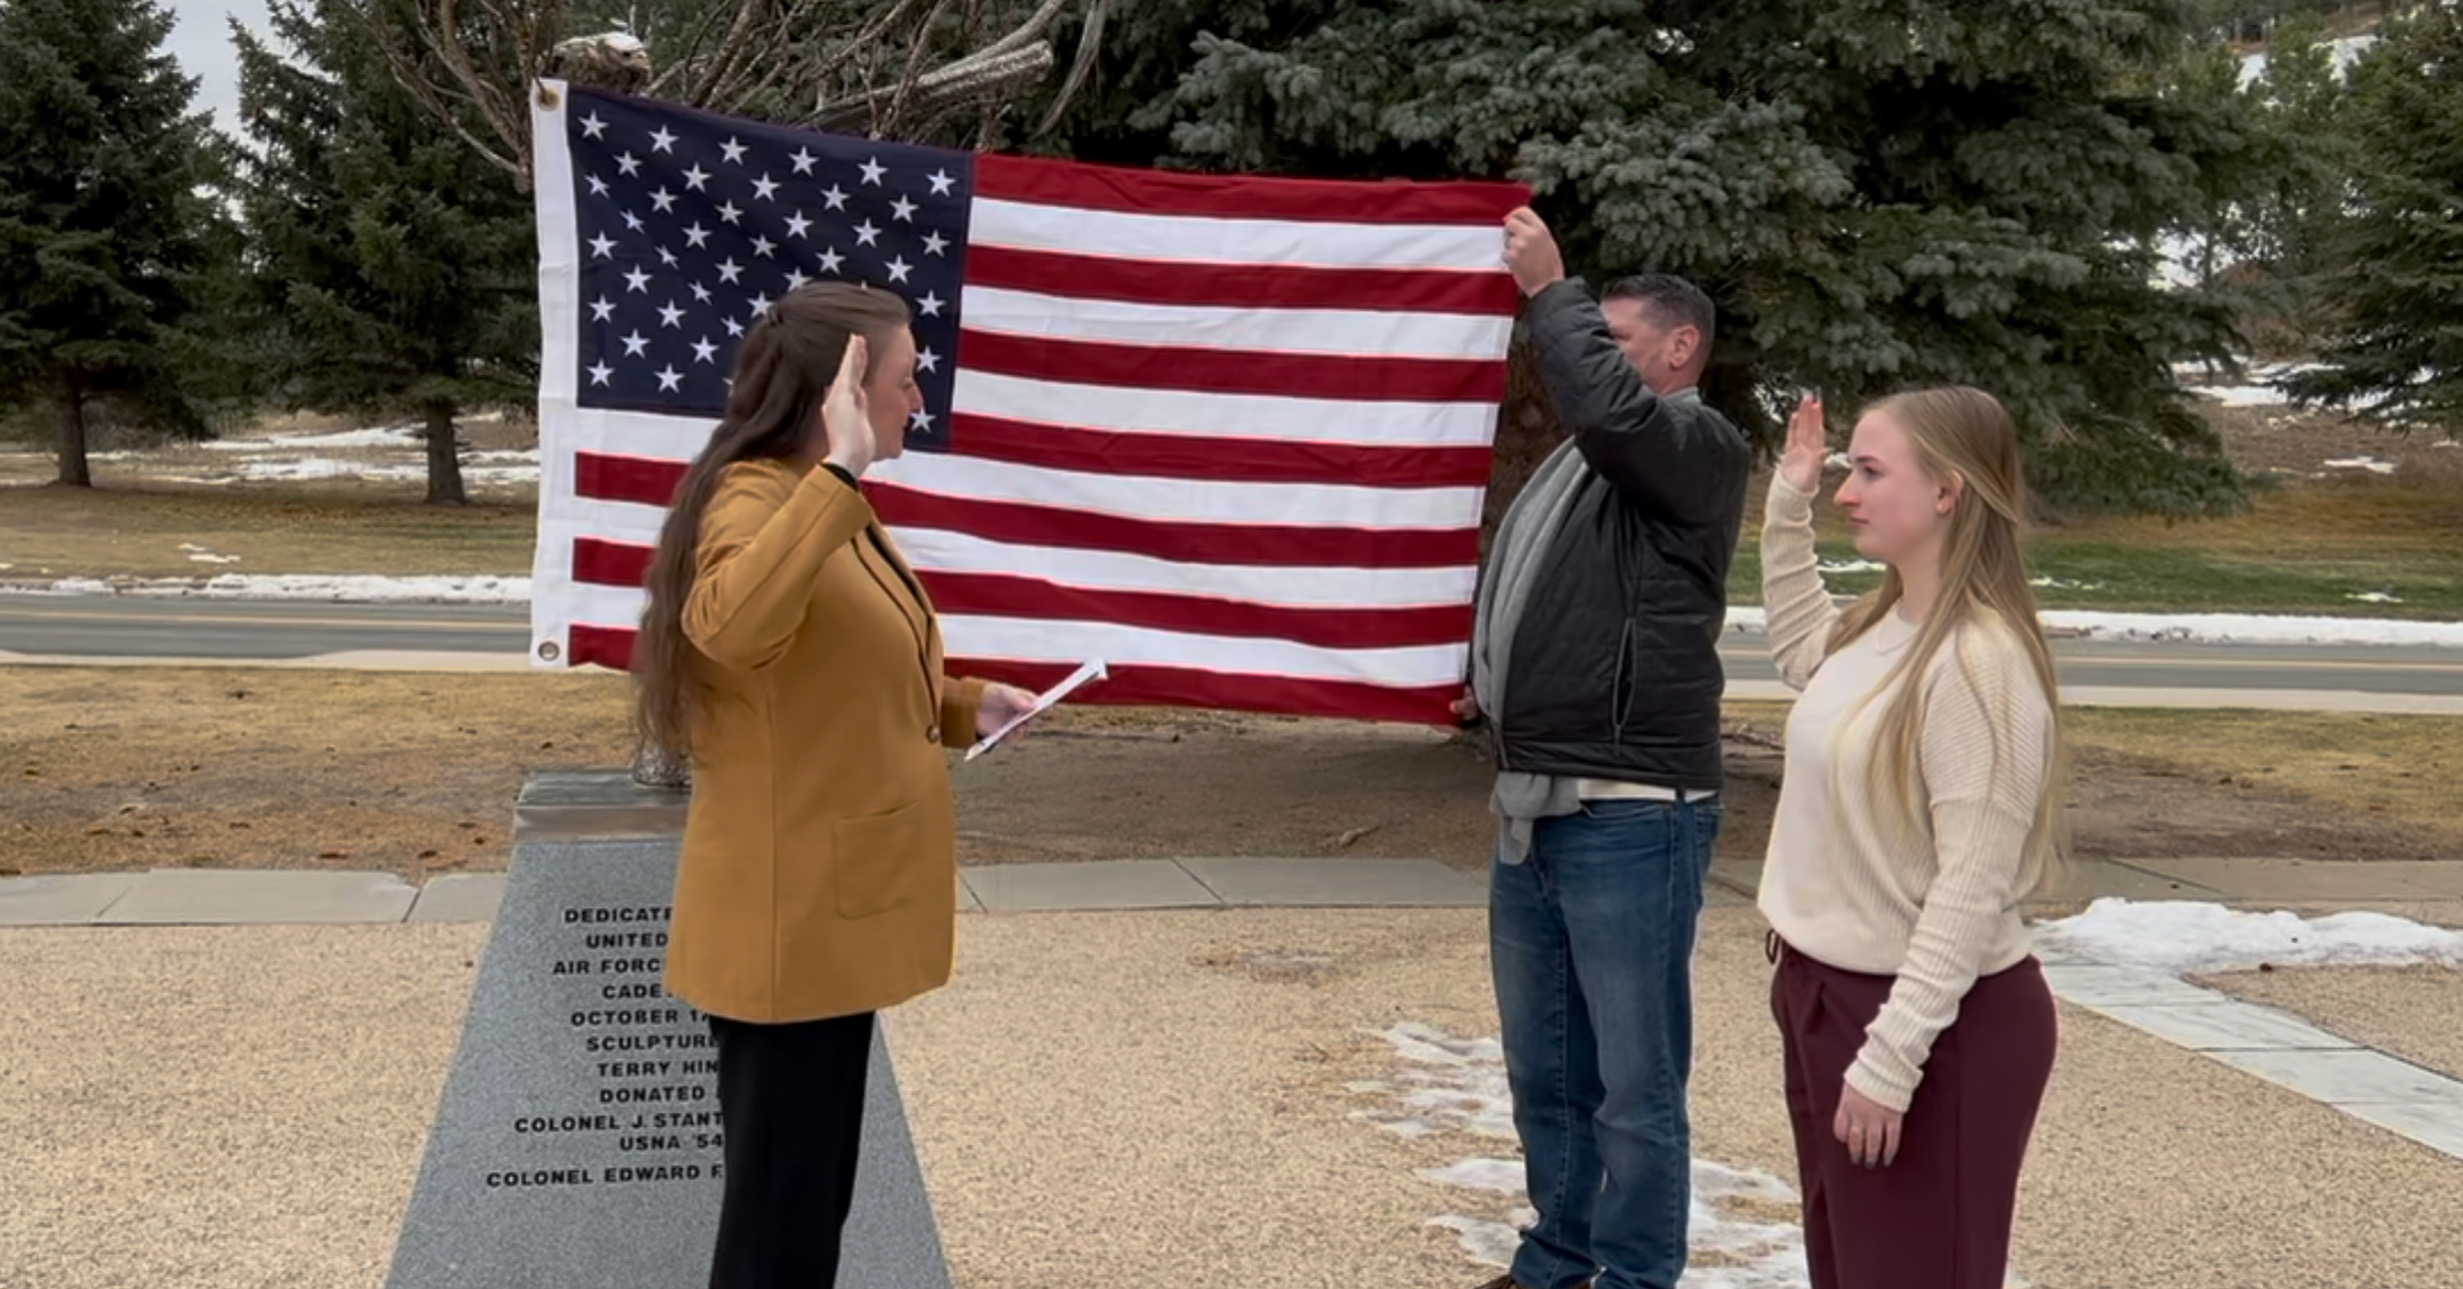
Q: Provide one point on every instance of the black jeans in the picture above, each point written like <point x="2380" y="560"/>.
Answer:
<point x="792" y="1097"/>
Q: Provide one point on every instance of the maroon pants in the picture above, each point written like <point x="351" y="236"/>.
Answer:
<point x="1938" y="1217"/>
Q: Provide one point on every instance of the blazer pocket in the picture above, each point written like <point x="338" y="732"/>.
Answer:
<point x="883" y="861"/>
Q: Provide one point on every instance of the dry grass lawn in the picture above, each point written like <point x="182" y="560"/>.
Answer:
<point x="416" y="773"/>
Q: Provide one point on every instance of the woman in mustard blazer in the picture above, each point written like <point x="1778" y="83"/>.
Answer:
<point x="788" y="646"/>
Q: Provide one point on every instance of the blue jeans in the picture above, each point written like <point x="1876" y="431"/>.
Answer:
<point x="1592" y="939"/>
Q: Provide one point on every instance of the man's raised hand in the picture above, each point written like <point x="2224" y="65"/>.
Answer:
<point x="1531" y="252"/>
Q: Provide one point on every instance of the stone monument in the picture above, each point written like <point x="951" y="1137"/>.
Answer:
<point x="578" y="1143"/>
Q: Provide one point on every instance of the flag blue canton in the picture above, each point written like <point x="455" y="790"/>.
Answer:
<point x="691" y="224"/>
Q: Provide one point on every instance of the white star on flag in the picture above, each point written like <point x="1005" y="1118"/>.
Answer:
<point x="636" y="344"/>
<point x="637" y="280"/>
<point x="593" y="126"/>
<point x="765" y="188"/>
<point x="662" y="140"/>
<point x="873" y="170"/>
<point x="669" y="377"/>
<point x="734" y="151"/>
<point x="803" y="161"/>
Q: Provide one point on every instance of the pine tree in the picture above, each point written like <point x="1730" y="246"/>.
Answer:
<point x="1879" y="193"/>
<point x="105" y="222"/>
<point x="396" y="269"/>
<point x="2395" y="306"/>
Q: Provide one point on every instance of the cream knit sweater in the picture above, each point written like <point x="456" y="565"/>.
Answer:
<point x="1935" y="906"/>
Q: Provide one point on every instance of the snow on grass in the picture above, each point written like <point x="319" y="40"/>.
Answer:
<point x="474" y="589"/>
<point x="2189" y="938"/>
<point x="1445" y="1084"/>
<point x="2209" y="628"/>
<point x="2370" y="464"/>
<point x="385" y="436"/>
<point x="1851" y="566"/>
<point x="310" y="468"/>
<point x="2243" y="395"/>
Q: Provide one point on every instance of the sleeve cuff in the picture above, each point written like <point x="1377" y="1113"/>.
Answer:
<point x="1867" y="1076"/>
<point x="961" y="700"/>
<point x="1787" y="500"/>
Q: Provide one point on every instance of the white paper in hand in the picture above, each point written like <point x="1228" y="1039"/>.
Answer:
<point x="1091" y="670"/>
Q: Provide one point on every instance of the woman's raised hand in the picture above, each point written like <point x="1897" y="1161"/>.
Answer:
<point x="845" y="417"/>
<point x="1801" y="465"/>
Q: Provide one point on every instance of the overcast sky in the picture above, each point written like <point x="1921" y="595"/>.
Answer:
<point x="201" y="41"/>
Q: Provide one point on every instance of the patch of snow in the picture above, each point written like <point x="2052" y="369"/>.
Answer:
<point x="328" y="468"/>
<point x="2375" y="597"/>
<point x="2064" y="584"/>
<point x="1734" y="1248"/>
<point x="353" y="588"/>
<point x="1479" y="1175"/>
<point x="2370" y="464"/>
<point x="2243" y="395"/>
<point x="1852" y="566"/>
<point x="2187" y="937"/>
<point x="2208" y="628"/>
<point x="206" y="555"/>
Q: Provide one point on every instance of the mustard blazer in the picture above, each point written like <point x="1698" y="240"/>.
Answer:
<point x="819" y="872"/>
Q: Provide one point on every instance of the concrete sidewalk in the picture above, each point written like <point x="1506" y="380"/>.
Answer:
<point x="1216" y="1098"/>
<point x="2427" y="890"/>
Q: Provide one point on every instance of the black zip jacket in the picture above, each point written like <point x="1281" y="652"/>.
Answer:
<point x="1615" y="665"/>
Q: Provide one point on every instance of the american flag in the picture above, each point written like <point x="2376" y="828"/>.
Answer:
<point x="1229" y="434"/>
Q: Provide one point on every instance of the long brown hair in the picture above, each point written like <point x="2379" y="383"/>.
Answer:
<point x="1964" y="435"/>
<point x="783" y="370"/>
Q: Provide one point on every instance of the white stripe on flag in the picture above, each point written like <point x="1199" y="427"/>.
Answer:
<point x="1254" y="505"/>
<point x="1353" y="333"/>
<point x="604" y="606"/>
<point x="1266" y="243"/>
<point x="1037" y="640"/>
<point x="1245" y="416"/>
<point x="935" y="550"/>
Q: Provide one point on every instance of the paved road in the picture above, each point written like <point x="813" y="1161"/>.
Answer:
<point x="95" y="626"/>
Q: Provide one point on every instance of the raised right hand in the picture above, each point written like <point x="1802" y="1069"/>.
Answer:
<point x="846" y="418"/>
<point x="1801" y="465"/>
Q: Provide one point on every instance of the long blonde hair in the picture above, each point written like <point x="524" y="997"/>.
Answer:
<point x="1964" y="436"/>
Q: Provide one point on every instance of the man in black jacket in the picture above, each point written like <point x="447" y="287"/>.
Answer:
<point x="1595" y="664"/>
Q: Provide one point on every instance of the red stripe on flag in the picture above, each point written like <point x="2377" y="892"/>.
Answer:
<point x="647" y="481"/>
<point x="1233" y="371"/>
<point x="1241" y="286"/>
<point x="1003" y="596"/>
<point x="1184" y="456"/>
<point x="604" y="563"/>
<point x="1267" y="545"/>
<point x="1165" y="192"/>
<point x="587" y="646"/>
<point x="1134" y="684"/>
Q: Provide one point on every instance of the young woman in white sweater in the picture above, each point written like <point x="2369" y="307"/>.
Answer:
<point x="1921" y="805"/>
